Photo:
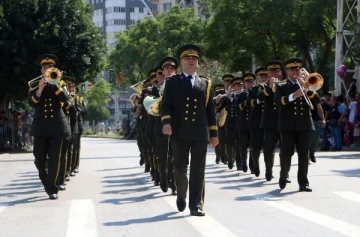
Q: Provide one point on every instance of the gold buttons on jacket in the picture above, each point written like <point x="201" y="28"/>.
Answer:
<point x="187" y="105"/>
<point x="195" y="100"/>
<point x="187" y="98"/>
<point x="186" y="111"/>
<point x="295" y="113"/>
<point x="193" y="120"/>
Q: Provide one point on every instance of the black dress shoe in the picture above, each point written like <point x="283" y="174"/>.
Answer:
<point x="197" y="212"/>
<point x="312" y="158"/>
<point x="62" y="187"/>
<point x="268" y="176"/>
<point x="244" y="168"/>
<point x="53" y="196"/>
<point x="76" y="170"/>
<point x="181" y="204"/>
<point x="305" y="189"/>
<point x="173" y="192"/>
<point x="282" y="183"/>
<point x="230" y="165"/>
<point x="164" y="186"/>
<point x="257" y="172"/>
<point x="141" y="162"/>
<point x="156" y="183"/>
<point x="72" y="174"/>
<point x="67" y="178"/>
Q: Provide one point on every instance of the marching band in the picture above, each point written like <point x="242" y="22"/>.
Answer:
<point x="255" y="112"/>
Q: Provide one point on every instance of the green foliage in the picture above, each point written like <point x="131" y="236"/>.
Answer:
<point x="98" y="97"/>
<point x="270" y="30"/>
<point x="141" y="47"/>
<point x="30" y="28"/>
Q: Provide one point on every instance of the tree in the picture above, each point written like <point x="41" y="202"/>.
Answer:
<point x="142" y="46"/>
<point x="30" y="28"/>
<point x="270" y="30"/>
<point x="98" y="98"/>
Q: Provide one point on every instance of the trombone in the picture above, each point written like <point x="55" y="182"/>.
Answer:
<point x="52" y="76"/>
<point x="314" y="81"/>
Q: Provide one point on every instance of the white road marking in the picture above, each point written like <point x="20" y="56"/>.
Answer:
<point x="2" y="208"/>
<point x="350" y="196"/>
<point x="206" y="226"/>
<point x="82" y="219"/>
<point x="312" y="216"/>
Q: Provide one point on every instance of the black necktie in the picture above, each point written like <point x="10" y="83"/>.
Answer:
<point x="189" y="77"/>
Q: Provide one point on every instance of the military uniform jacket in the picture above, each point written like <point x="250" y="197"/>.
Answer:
<point x="81" y="108"/>
<point x="189" y="109"/>
<point x="158" y="124"/>
<point x="49" y="118"/>
<point x="243" y="119"/>
<point x="269" y="118"/>
<point x="295" y="115"/>
<point x="256" y="108"/>
<point x="232" y="112"/>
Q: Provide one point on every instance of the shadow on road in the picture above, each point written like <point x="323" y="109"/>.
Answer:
<point x="159" y="218"/>
<point x="278" y="193"/>
<point x="19" y="186"/>
<point x="348" y="173"/>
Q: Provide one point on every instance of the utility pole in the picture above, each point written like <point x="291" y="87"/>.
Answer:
<point x="345" y="40"/>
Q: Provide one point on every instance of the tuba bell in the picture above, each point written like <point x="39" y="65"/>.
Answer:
<point x="138" y="87"/>
<point x="222" y="117"/>
<point x="152" y="105"/>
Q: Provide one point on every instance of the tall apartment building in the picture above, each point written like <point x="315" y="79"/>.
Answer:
<point x="166" y="5"/>
<point x="114" y="16"/>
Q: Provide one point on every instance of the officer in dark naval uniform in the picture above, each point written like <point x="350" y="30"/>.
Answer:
<point x="257" y="108"/>
<point x="269" y="119"/>
<point x="295" y="123"/>
<point x="48" y="127"/>
<point x="163" y="144"/>
<point x="232" y="135"/>
<point x="227" y="80"/>
<point x="188" y="115"/>
<point x="219" y="91"/>
<point x="243" y="121"/>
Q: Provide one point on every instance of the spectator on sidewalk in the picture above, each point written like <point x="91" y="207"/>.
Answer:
<point x="335" y="123"/>
<point x="325" y="130"/>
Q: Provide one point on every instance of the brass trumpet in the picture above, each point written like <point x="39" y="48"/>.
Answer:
<point x="313" y="82"/>
<point x="52" y="76"/>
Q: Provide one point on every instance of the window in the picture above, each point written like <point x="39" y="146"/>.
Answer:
<point x="119" y="9"/>
<point x="167" y="6"/>
<point x="109" y="9"/>
<point x="132" y="9"/>
<point x="132" y="22"/>
<point x="110" y="22"/>
<point x="119" y="22"/>
<point x="141" y="9"/>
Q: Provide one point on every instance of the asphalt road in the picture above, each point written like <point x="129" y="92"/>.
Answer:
<point x="112" y="196"/>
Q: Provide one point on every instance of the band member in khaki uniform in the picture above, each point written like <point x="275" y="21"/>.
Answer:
<point x="48" y="127"/>
<point x="295" y="123"/>
<point x="188" y="115"/>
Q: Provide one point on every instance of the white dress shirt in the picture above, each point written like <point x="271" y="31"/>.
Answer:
<point x="192" y="80"/>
